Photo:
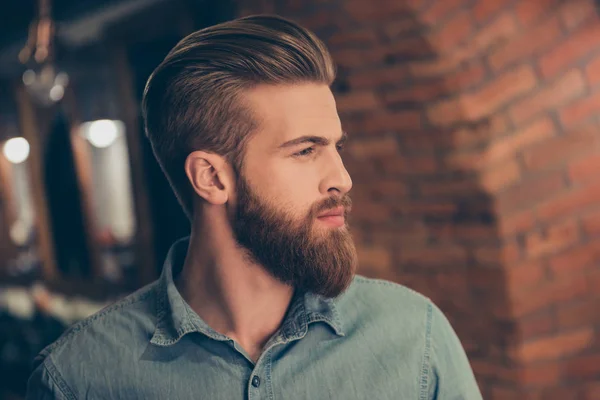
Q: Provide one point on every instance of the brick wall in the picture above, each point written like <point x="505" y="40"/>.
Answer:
<point x="475" y="155"/>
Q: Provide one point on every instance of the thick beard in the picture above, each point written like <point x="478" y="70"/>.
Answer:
<point x="323" y="263"/>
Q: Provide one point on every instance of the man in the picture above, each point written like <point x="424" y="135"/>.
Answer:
<point x="262" y="301"/>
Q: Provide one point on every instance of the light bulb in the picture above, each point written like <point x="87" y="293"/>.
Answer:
<point x="103" y="132"/>
<point x="16" y="150"/>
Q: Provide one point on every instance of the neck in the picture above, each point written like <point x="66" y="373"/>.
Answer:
<point x="233" y="296"/>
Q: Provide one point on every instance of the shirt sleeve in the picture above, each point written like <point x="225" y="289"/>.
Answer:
<point x="451" y="376"/>
<point x="46" y="383"/>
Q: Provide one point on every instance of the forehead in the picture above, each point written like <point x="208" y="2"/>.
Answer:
<point x="286" y="112"/>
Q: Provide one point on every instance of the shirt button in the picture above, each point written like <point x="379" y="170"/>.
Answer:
<point x="256" y="381"/>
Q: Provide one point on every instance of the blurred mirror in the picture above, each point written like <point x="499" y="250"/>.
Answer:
<point x="18" y="208"/>
<point x="111" y="197"/>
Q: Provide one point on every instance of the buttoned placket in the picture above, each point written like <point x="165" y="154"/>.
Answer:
<point x="260" y="385"/>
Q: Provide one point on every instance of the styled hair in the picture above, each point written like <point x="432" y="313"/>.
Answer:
<point x="192" y="99"/>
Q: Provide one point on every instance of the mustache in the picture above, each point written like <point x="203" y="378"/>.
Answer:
<point x="333" y="202"/>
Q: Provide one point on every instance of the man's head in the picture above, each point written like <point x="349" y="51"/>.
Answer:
<point x="241" y="119"/>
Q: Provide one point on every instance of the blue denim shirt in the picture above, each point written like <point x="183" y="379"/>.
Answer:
<point x="378" y="340"/>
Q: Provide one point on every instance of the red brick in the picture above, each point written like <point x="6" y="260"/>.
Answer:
<point x="488" y="99"/>
<point x="392" y="236"/>
<point x="553" y="239"/>
<point x="516" y="223"/>
<point x="360" y="169"/>
<point x="408" y="165"/>
<point x="585" y="169"/>
<point x="384" y="122"/>
<point x="541" y="375"/>
<point x="385" y="190"/>
<point x="499" y="31"/>
<point x="454" y="187"/>
<point x="381" y="76"/>
<point x="523" y="46"/>
<point x="364" y="37"/>
<point x="484" y="9"/>
<point x="417" y="5"/>
<point x="570" y="203"/>
<point x="399" y="28"/>
<point x="500" y="177"/>
<point x="452" y="32"/>
<point x="375" y="10"/>
<point x="480" y="133"/>
<point x="505" y="393"/>
<point x="554" y="347"/>
<point x="452" y="282"/>
<point x="504" y="89"/>
<point x="573" y="13"/>
<point x="433" y="255"/>
<point x="405" y="49"/>
<point x="545" y="295"/>
<point x="591" y="223"/>
<point x="571" y="50"/>
<point x="560" y="392"/>
<point x="592" y="71"/>
<point x="581" y="313"/>
<point x="370" y="213"/>
<point x="434" y="68"/>
<point x="490" y="369"/>
<point x="535" y="132"/>
<point x="315" y="21"/>
<point x="522" y="276"/>
<point x="530" y="11"/>
<point x="568" y="87"/>
<point x="581" y="110"/>
<point x="591" y="391"/>
<point x="540" y="324"/>
<point x="417" y="93"/>
<point x="587" y="366"/>
<point x="494" y="255"/>
<point x="439" y="10"/>
<point x="422" y="208"/>
<point x="369" y="148"/>
<point x="357" y="101"/>
<point x="464" y="78"/>
<point x="464" y="233"/>
<point x="530" y="191"/>
<point x="553" y="152"/>
<point x="575" y="260"/>
<point x="426" y="141"/>
<point x="374" y="257"/>
<point x="356" y="57"/>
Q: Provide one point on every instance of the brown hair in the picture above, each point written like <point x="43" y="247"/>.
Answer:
<point x="191" y="100"/>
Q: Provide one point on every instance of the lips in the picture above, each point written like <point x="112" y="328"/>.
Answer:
<point x="332" y="213"/>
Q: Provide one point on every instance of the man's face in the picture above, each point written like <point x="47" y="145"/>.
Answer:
<point x="285" y="186"/>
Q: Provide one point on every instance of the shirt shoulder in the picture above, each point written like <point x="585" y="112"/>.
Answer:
<point x="372" y="293"/>
<point x="377" y="304"/>
<point x="119" y="325"/>
<point x="400" y="316"/>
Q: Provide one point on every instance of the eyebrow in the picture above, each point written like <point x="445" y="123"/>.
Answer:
<point x="318" y="140"/>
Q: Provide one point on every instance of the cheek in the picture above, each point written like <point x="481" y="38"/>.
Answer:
<point x="289" y="187"/>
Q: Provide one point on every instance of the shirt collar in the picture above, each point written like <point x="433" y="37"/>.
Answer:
<point x="175" y="318"/>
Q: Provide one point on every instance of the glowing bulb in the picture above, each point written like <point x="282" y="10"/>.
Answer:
<point x="57" y="92"/>
<point x="102" y="133"/>
<point x="16" y="150"/>
<point x="28" y="77"/>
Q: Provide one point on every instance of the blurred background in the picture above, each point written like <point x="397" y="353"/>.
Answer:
<point x="474" y="150"/>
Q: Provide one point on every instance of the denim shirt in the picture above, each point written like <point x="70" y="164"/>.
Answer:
<point x="378" y="340"/>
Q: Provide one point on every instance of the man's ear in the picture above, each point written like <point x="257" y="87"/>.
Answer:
<point x="210" y="176"/>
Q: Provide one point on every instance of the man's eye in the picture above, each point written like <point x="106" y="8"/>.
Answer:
<point x="306" y="152"/>
<point x="340" y="147"/>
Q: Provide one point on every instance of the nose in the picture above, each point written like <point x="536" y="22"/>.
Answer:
<point x="337" y="178"/>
